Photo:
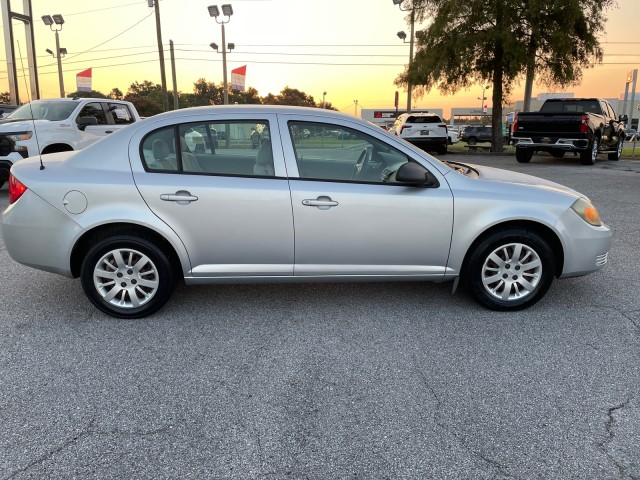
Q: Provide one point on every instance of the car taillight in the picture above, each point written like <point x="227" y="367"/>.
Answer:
<point x="16" y="189"/>
<point x="514" y="128"/>
<point x="584" y="124"/>
<point x="443" y="126"/>
<point x="403" y="128"/>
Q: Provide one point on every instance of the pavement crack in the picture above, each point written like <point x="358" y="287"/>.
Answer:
<point x="603" y="446"/>
<point x="87" y="431"/>
<point x="67" y="444"/>
<point x="437" y="415"/>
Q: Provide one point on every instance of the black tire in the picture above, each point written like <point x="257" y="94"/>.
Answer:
<point x="442" y="150"/>
<point x="145" y="270"/>
<point x="524" y="155"/>
<point x="615" y="156"/>
<point x="510" y="286"/>
<point x="472" y="140"/>
<point x="557" y="154"/>
<point x="589" y="156"/>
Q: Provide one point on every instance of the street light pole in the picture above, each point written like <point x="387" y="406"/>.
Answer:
<point x="50" y="20"/>
<point x="59" y="58"/>
<point x="484" y="97"/>
<point x="403" y="37"/>
<point x="214" y="12"/>
<point x="324" y="105"/>
<point x="224" y="68"/>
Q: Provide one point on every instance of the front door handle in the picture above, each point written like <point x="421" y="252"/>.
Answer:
<point x="322" y="202"/>
<point x="181" y="197"/>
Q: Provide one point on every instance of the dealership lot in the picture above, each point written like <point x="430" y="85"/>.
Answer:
<point x="389" y="380"/>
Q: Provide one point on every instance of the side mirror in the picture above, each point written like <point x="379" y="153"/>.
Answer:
<point x="623" y="118"/>
<point x="84" y="122"/>
<point x="415" y="174"/>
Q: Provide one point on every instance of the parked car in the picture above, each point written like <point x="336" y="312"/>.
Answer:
<point x="475" y="134"/>
<point x="631" y="134"/>
<point x="424" y="130"/>
<point x="452" y="137"/>
<point x="57" y="125"/>
<point x="5" y="110"/>
<point x="133" y="213"/>
<point x="587" y="126"/>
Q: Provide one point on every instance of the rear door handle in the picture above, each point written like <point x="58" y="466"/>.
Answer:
<point x="181" y="197"/>
<point x="322" y="202"/>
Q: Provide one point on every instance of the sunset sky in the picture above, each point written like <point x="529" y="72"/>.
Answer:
<point x="347" y="48"/>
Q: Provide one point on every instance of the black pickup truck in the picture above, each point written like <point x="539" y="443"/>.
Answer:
<point x="586" y="126"/>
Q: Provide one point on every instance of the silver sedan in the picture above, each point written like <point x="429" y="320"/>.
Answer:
<point x="243" y="194"/>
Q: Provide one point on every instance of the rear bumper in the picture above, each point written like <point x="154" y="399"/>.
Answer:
<point x="565" y="144"/>
<point x="428" y="141"/>
<point x="38" y="235"/>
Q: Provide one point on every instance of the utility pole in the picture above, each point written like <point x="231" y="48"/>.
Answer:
<point x="173" y="76"/>
<point x="163" y="78"/>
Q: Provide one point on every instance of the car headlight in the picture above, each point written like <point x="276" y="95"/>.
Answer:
<point x="16" y="137"/>
<point x="587" y="211"/>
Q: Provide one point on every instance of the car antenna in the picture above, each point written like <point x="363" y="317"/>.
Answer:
<point x="35" y="132"/>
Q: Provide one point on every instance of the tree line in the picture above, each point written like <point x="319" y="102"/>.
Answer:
<point x="502" y="42"/>
<point x="148" y="99"/>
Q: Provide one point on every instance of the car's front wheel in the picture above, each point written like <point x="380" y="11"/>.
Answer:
<point x="127" y="276"/>
<point x="510" y="270"/>
<point x="590" y="155"/>
<point x="618" y="153"/>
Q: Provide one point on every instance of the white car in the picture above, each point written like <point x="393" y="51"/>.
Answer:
<point x="424" y="130"/>
<point x="452" y="136"/>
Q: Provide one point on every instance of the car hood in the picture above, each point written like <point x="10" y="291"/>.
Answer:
<point x="515" y="178"/>
<point x="14" y="125"/>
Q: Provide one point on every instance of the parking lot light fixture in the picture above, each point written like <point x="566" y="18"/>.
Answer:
<point x="227" y="10"/>
<point x="402" y="36"/>
<point x="214" y="12"/>
<point x="49" y="21"/>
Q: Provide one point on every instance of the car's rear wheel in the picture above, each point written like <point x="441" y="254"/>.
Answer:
<point x="618" y="153"/>
<point x="590" y="155"/>
<point x="127" y="276"/>
<point x="442" y="150"/>
<point x="510" y="270"/>
<point x="524" y="155"/>
<point x="472" y="140"/>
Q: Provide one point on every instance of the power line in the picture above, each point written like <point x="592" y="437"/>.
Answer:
<point x="101" y="9"/>
<point x="115" y="36"/>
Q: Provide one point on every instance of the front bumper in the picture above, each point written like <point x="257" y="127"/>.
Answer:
<point x="38" y="235"/>
<point x="586" y="248"/>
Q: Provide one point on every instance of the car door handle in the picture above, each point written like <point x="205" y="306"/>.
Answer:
<point x="181" y="197"/>
<point x="322" y="202"/>
<point x="108" y="131"/>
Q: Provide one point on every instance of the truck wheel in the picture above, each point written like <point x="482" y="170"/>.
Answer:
<point x="442" y="150"/>
<point x="523" y="155"/>
<point x="618" y="153"/>
<point x="589" y="156"/>
<point x="472" y="141"/>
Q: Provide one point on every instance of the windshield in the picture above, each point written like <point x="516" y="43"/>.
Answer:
<point x="571" y="106"/>
<point x="54" y="110"/>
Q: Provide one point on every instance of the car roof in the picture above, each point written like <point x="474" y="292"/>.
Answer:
<point x="253" y="108"/>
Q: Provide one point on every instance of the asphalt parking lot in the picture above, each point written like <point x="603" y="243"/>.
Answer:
<point x="333" y="381"/>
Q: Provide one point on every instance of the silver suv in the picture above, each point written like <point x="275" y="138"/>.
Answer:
<point x="425" y="130"/>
